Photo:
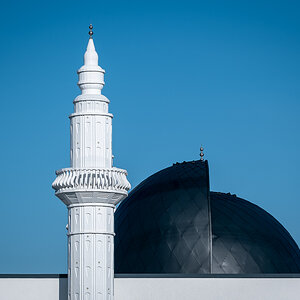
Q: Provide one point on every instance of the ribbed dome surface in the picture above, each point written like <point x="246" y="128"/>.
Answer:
<point x="171" y="223"/>
<point x="246" y="239"/>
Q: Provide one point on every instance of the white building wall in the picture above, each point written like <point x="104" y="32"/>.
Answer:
<point x="33" y="288"/>
<point x="161" y="288"/>
<point x="207" y="288"/>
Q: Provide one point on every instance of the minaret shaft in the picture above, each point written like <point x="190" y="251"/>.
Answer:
<point x="91" y="252"/>
<point x="91" y="134"/>
<point x="91" y="188"/>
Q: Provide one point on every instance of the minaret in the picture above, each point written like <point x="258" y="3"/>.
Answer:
<point x="91" y="188"/>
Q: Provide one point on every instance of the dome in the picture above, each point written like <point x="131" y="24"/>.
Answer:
<point x="172" y="223"/>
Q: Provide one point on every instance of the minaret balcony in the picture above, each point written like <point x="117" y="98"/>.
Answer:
<point x="91" y="185"/>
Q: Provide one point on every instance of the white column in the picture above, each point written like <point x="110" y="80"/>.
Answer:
<point x="91" y="133"/>
<point x="91" y="251"/>
<point x="91" y="188"/>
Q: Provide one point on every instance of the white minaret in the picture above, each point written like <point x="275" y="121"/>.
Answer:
<point x="91" y="188"/>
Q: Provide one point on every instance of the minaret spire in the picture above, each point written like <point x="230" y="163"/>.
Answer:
<point x="91" y="188"/>
<point x="91" y="75"/>
<point x="91" y="56"/>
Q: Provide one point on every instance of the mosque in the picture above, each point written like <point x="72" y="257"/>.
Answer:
<point x="171" y="238"/>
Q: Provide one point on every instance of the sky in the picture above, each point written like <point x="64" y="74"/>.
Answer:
<point x="179" y="74"/>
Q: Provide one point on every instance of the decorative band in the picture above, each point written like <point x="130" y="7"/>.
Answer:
<point x="91" y="232"/>
<point x="91" y="204"/>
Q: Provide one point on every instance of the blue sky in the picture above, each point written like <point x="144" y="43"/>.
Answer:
<point x="180" y="74"/>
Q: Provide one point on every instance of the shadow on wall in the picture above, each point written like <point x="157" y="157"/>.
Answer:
<point x="63" y="288"/>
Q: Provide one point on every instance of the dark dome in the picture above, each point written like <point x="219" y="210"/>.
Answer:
<point x="172" y="223"/>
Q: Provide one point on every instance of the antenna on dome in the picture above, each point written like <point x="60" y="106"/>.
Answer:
<point x="201" y="153"/>
<point x="91" y="31"/>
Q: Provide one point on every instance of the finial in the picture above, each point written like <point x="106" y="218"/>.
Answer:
<point x="201" y="153"/>
<point x="91" y="31"/>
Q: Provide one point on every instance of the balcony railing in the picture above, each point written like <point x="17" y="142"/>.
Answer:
<point x="91" y="179"/>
